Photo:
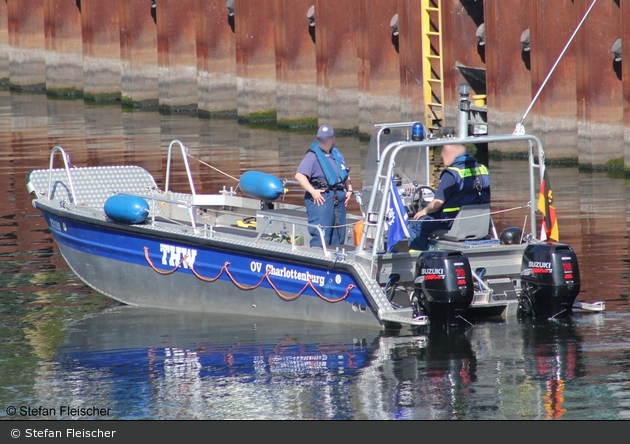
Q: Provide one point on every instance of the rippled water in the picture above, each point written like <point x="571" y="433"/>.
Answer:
<point x="63" y="344"/>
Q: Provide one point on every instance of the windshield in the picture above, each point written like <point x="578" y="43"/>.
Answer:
<point x="411" y="163"/>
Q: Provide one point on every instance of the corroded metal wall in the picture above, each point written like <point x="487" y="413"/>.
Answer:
<point x="554" y="116"/>
<point x="216" y="59"/>
<point x="101" y="50"/>
<point x="410" y="60"/>
<point x="177" y="54"/>
<point x="27" y="56"/>
<point x="378" y="48"/>
<point x="268" y="61"/>
<point x="460" y="20"/>
<point x="599" y="91"/>
<point x="337" y="65"/>
<point x="138" y="53"/>
<point x="508" y="75"/>
<point x="64" y="47"/>
<point x="4" y="43"/>
<point x="296" y="70"/>
<point x="625" y="75"/>
<point x="256" y="59"/>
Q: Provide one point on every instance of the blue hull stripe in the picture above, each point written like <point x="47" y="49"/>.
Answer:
<point x="287" y="276"/>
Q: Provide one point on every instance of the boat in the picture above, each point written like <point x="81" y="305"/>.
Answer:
<point x="244" y="250"/>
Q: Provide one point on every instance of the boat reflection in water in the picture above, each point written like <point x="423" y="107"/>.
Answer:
<point x="153" y="364"/>
<point x="556" y="351"/>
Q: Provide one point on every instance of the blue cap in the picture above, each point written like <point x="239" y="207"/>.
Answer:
<point x="325" y="132"/>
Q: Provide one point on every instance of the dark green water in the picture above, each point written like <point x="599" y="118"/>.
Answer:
<point x="63" y="344"/>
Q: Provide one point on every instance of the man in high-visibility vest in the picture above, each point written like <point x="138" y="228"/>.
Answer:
<point x="464" y="181"/>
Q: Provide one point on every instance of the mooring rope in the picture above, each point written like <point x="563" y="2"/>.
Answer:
<point x="214" y="168"/>
<point x="264" y="278"/>
<point x="519" y="125"/>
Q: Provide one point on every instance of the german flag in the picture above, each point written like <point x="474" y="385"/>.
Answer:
<point x="545" y="205"/>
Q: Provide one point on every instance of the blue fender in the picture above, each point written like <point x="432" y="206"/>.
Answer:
<point x="126" y="209"/>
<point x="261" y="186"/>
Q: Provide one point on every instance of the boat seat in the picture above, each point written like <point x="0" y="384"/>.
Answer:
<point x="471" y="223"/>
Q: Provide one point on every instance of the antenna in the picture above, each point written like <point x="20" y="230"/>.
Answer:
<point x="520" y="129"/>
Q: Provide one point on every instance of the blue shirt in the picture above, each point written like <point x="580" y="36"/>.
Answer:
<point x="447" y="186"/>
<point x="311" y="168"/>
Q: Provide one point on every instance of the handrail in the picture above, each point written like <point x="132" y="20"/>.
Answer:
<point x="396" y="147"/>
<point x="387" y="126"/>
<point x="66" y="160"/>
<point x="168" y="166"/>
<point x="161" y="199"/>
<point x="294" y="223"/>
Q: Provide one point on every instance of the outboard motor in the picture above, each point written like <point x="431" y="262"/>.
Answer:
<point x="444" y="286"/>
<point x="550" y="279"/>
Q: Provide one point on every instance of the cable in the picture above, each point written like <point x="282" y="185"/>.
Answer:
<point x="214" y="168"/>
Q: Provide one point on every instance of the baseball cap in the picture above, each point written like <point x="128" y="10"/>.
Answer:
<point x="325" y="131"/>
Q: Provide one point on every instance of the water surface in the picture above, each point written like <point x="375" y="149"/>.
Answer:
<point x="63" y="344"/>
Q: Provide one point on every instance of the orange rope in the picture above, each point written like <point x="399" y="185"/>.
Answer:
<point x="205" y="279"/>
<point x="287" y="298"/>
<point x="247" y="288"/>
<point x="243" y="287"/>
<point x="162" y="272"/>
<point x="332" y="301"/>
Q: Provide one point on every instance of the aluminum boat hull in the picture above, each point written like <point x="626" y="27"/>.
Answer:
<point x="112" y="261"/>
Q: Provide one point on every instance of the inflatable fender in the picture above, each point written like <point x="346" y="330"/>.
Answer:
<point x="126" y="209"/>
<point x="261" y="186"/>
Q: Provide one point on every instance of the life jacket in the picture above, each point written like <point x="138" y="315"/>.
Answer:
<point x="332" y="177"/>
<point x="473" y="184"/>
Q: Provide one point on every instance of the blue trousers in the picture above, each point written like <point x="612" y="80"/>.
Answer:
<point x="421" y="229"/>
<point x="327" y="215"/>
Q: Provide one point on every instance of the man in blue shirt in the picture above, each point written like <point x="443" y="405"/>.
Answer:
<point x="463" y="181"/>
<point x="323" y="174"/>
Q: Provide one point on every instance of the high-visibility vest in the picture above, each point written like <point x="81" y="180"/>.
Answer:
<point x="473" y="184"/>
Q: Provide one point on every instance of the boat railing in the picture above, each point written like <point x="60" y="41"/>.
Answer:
<point x="66" y="161"/>
<point x="155" y="199"/>
<point x="293" y="224"/>
<point x="375" y="217"/>
<point x="384" y="129"/>
<point x="168" y="165"/>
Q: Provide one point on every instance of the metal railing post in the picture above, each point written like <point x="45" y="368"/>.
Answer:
<point x="66" y="159"/>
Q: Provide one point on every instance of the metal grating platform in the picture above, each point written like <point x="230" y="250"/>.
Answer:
<point x="92" y="185"/>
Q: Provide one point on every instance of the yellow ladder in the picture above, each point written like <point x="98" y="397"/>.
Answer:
<point x="432" y="65"/>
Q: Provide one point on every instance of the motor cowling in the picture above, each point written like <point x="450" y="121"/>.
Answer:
<point x="444" y="286"/>
<point x="550" y="279"/>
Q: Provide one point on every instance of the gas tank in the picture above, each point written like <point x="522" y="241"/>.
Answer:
<point x="261" y="186"/>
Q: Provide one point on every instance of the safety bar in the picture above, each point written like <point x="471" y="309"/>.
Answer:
<point x="66" y="160"/>
<point x="396" y="147"/>
<point x="385" y="127"/>
<point x="293" y="224"/>
<point x="168" y="165"/>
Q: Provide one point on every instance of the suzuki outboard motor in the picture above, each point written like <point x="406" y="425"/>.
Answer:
<point x="444" y="286"/>
<point x="550" y="279"/>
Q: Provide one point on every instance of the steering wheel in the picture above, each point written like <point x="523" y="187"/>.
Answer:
<point x="415" y="198"/>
